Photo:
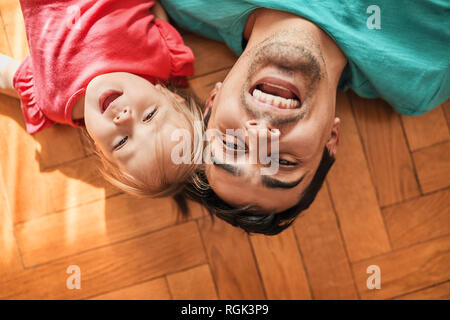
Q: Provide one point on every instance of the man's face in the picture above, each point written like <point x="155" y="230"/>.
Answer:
<point x="280" y="88"/>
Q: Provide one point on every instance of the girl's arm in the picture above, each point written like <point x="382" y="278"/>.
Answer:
<point x="8" y="68"/>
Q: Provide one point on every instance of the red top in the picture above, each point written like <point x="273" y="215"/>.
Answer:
<point x="73" y="41"/>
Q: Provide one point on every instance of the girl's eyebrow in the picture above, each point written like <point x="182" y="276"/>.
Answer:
<point x="234" y="170"/>
<point x="123" y="156"/>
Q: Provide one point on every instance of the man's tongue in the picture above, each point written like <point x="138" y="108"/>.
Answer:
<point x="276" y="95"/>
<point x="276" y="91"/>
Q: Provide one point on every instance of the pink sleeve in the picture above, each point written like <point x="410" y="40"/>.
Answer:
<point x="181" y="56"/>
<point x="35" y="119"/>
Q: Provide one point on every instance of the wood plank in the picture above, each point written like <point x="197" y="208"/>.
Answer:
<point x="406" y="270"/>
<point x="418" y="220"/>
<point x="193" y="284"/>
<point x="150" y="290"/>
<point x="323" y="251"/>
<point x="202" y="86"/>
<point x="440" y="292"/>
<point x="20" y="148"/>
<point x="15" y="28"/>
<point x="4" y="45"/>
<point x="93" y="225"/>
<point x="427" y="129"/>
<point x="51" y="147"/>
<point x="353" y="194"/>
<point x="59" y="144"/>
<point x="231" y="260"/>
<point x="446" y="108"/>
<point x="281" y="253"/>
<point x="433" y="167"/>
<point x="9" y="257"/>
<point x="67" y="186"/>
<point x="112" y="267"/>
<point x="210" y="55"/>
<point x="386" y="150"/>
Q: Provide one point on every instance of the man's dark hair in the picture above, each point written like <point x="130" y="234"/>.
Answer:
<point x="247" y="218"/>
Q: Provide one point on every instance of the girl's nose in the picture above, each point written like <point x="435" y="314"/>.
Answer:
<point x="123" y="115"/>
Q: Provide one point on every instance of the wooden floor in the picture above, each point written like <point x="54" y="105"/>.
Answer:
<point x="386" y="202"/>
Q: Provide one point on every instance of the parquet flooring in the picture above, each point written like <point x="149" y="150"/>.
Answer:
<point x="386" y="202"/>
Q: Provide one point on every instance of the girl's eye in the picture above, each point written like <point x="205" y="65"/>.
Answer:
<point x="149" y="116"/>
<point x="286" y="163"/>
<point x="233" y="146"/>
<point x="121" y="143"/>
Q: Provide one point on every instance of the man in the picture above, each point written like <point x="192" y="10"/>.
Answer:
<point x="294" y="55"/>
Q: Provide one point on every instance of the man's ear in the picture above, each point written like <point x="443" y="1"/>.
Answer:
<point x="333" y="142"/>
<point x="211" y="98"/>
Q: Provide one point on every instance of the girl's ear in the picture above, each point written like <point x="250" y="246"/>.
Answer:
<point x="211" y="98"/>
<point x="179" y="98"/>
<point x="333" y="142"/>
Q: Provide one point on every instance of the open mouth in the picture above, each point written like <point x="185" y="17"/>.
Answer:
<point x="107" y="98"/>
<point x="276" y="92"/>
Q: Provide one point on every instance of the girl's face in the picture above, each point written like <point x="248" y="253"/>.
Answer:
<point x="127" y="117"/>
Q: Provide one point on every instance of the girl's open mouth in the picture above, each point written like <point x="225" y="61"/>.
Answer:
<point x="107" y="98"/>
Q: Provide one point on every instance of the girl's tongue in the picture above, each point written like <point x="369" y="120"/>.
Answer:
<point x="107" y="98"/>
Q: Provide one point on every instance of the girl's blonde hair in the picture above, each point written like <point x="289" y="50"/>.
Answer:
<point x="192" y="113"/>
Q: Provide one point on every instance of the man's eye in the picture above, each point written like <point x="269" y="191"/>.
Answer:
<point x="149" y="116"/>
<point x="121" y="143"/>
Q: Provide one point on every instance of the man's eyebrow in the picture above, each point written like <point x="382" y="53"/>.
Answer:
<point x="267" y="181"/>
<point x="275" y="183"/>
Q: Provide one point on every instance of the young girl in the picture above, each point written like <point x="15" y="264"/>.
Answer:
<point x="102" y="64"/>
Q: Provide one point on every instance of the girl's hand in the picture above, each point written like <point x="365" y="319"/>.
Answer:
<point x="8" y="68"/>
<point x="159" y="12"/>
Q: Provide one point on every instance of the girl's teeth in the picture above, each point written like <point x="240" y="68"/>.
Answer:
<point x="275" y="100"/>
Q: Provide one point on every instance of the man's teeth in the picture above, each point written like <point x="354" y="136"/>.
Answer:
<point x="275" y="100"/>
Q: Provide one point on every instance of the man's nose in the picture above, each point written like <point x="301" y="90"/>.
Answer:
<point x="254" y="126"/>
<point x="123" y="116"/>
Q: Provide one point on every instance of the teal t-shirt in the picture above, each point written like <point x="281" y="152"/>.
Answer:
<point x="405" y="62"/>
